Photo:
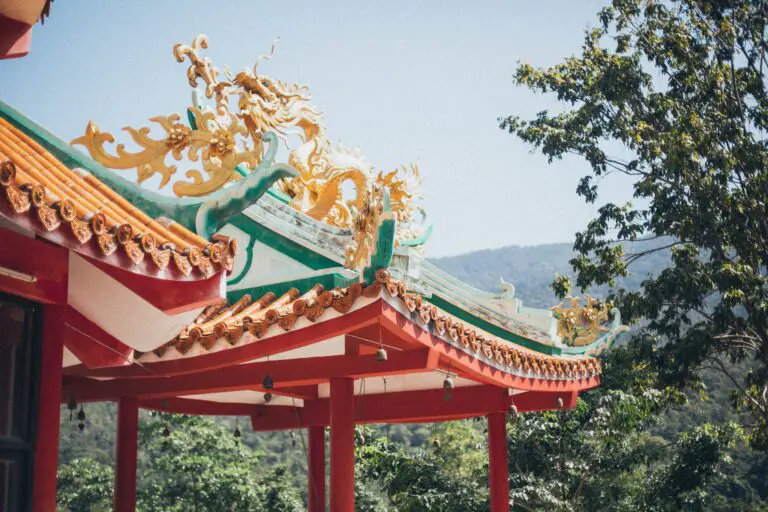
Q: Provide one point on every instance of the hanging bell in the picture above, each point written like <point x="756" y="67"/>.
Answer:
<point x="513" y="410"/>
<point x="81" y="414"/>
<point x="448" y="382"/>
<point x="71" y="406"/>
<point x="267" y="397"/>
<point x="560" y="403"/>
<point x="166" y="431"/>
<point x="436" y="443"/>
<point x="293" y="439"/>
<point x="81" y="426"/>
<point x="381" y="354"/>
<point x="268" y="383"/>
<point x="237" y="433"/>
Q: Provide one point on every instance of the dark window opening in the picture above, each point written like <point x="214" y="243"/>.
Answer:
<point x="19" y="358"/>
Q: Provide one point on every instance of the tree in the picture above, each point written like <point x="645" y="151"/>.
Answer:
<point x="194" y="464"/>
<point x="85" y="485"/>
<point x="673" y="95"/>
<point x="186" y="463"/>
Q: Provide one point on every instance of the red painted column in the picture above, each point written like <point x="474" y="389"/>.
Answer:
<point x="316" y="470"/>
<point x="499" y="462"/>
<point x="126" y="452"/>
<point x="49" y="401"/>
<point x="342" y="445"/>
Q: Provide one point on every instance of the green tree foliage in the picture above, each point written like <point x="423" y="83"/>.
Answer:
<point x="85" y="485"/>
<point x="426" y="479"/>
<point x="601" y="455"/>
<point x="673" y="95"/>
<point x="187" y="463"/>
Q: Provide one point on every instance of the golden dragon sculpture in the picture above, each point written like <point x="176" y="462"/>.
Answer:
<point x="228" y="139"/>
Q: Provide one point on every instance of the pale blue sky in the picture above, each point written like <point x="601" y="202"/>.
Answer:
<point x="404" y="81"/>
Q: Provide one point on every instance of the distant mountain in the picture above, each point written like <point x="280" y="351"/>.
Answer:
<point x="533" y="268"/>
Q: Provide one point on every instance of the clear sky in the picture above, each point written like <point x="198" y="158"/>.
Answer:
<point x="404" y="81"/>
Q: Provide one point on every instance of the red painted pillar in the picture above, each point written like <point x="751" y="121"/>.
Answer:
<point x="342" y="445"/>
<point x="316" y="470"/>
<point x="126" y="452"/>
<point x="49" y="401"/>
<point x="499" y="462"/>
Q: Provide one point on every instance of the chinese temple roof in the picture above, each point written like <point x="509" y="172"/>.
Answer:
<point x="247" y="321"/>
<point x="314" y="274"/>
<point x="73" y="208"/>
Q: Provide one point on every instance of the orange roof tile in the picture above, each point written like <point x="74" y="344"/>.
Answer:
<point x="35" y="184"/>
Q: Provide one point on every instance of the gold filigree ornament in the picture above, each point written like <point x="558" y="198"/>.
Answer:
<point x="229" y="137"/>
<point x="365" y="230"/>
<point x="579" y="325"/>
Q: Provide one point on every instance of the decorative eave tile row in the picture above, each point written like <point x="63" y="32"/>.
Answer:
<point x="517" y="360"/>
<point x="53" y="213"/>
<point x="86" y="210"/>
<point x="257" y="317"/>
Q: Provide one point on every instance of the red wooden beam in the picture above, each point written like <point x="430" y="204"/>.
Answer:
<point x="168" y="295"/>
<point x="432" y="405"/>
<point x="426" y="406"/>
<point x="277" y="344"/>
<point x="285" y="374"/>
<point x="342" y="418"/>
<point x="15" y="38"/>
<point x="33" y="268"/>
<point x="46" y="454"/>
<point x="534" y="401"/>
<point x="498" y="462"/>
<point x="94" y="346"/>
<point x="316" y="469"/>
<point x="397" y="323"/>
<point x="126" y="453"/>
<point x="197" y="407"/>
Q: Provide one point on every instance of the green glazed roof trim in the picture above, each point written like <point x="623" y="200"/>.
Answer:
<point x="248" y="262"/>
<point x="329" y="281"/>
<point x="492" y="328"/>
<point x="282" y="244"/>
<point x="415" y="242"/>
<point x="283" y="198"/>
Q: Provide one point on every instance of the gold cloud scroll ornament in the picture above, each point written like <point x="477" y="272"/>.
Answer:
<point x="581" y="324"/>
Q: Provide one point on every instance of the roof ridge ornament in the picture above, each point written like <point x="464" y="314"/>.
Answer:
<point x="228" y="140"/>
<point x="581" y="324"/>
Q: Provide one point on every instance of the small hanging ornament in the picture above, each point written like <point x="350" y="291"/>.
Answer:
<point x="81" y="418"/>
<point x="436" y="443"/>
<point x="267" y="397"/>
<point x="560" y="403"/>
<point x="268" y="383"/>
<point x="293" y="439"/>
<point x="381" y="354"/>
<point x="448" y="382"/>
<point x="166" y="431"/>
<point x="71" y="406"/>
<point x="237" y="433"/>
<point x="513" y="410"/>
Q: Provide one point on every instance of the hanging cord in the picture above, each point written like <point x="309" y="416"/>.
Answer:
<point x="360" y="405"/>
<point x="305" y="448"/>
<point x="388" y="424"/>
<point x="127" y="359"/>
